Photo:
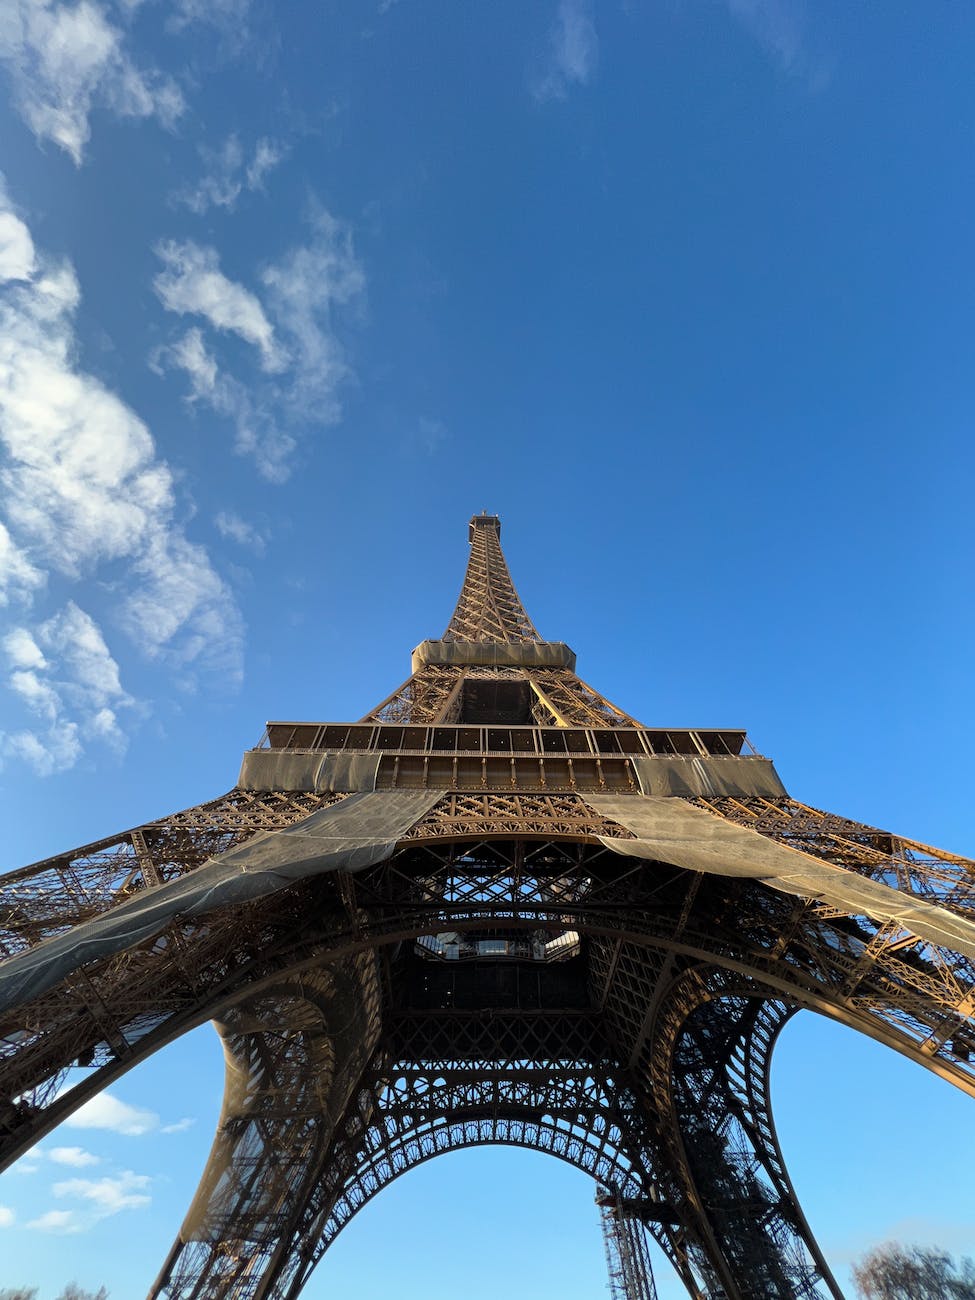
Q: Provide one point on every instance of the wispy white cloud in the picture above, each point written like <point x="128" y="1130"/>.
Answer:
<point x="76" y="705"/>
<point x="17" y="258"/>
<point x="22" y="650"/>
<point x="64" y="59"/>
<point x="56" y="1221"/>
<point x="230" y="525"/>
<point x="572" y="54"/>
<point x="72" y="640"/>
<point x="107" y="1111"/>
<point x="7" y="1216"/>
<point x="778" y="26"/>
<point x="229" y="173"/>
<point x="427" y="437"/>
<point x="267" y="155"/>
<point x="258" y="433"/>
<point x="221" y="185"/>
<point x="295" y="329"/>
<point x="304" y="289"/>
<point x="75" y="1157"/>
<point x="19" y="577"/>
<point x="221" y="14"/>
<point x="54" y="749"/>
<point x="109" y="1195"/>
<point x="190" y="354"/>
<point x="81" y="487"/>
<point x="179" y="1126"/>
<point x="181" y="608"/>
<point x="193" y="284"/>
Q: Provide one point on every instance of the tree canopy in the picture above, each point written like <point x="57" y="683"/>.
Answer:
<point x="71" y="1292"/>
<point x="898" y="1272"/>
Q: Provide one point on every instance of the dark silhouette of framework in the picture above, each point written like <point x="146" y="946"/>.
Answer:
<point x="496" y="910"/>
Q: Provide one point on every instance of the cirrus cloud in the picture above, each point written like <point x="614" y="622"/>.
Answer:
<point x="295" y="329"/>
<point x="229" y="173"/>
<point x="573" y="51"/>
<point x="63" y="60"/>
<point x="192" y="283"/>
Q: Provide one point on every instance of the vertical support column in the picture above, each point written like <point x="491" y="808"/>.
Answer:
<point x="627" y="1252"/>
<point x="756" y="1233"/>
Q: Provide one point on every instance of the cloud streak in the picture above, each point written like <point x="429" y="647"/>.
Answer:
<point x="106" y="1111"/>
<point x="192" y="284"/>
<point x="778" y="27"/>
<point x="294" y="326"/>
<point x="229" y="174"/>
<point x="230" y="525"/>
<point x="573" y="52"/>
<point x="109" y="1195"/>
<point x="73" y="1157"/>
<point x="64" y="60"/>
<point x="59" y="1222"/>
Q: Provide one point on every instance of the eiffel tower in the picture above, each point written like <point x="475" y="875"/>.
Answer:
<point x="497" y="909"/>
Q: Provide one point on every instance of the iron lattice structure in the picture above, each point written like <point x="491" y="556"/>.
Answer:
<point x="497" y="909"/>
<point x="627" y="1256"/>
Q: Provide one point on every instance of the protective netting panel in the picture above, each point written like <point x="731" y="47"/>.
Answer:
<point x="539" y="654"/>
<point x="350" y="835"/>
<point x="316" y="771"/>
<point x="293" y="1058"/>
<point x="708" y="778"/>
<point x="674" y="831"/>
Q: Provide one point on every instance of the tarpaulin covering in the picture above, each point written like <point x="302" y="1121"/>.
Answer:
<point x="316" y="771"/>
<point x="741" y="777"/>
<point x="671" y="830"/>
<point x="280" y="1106"/>
<point x="355" y="833"/>
<point x="526" y="654"/>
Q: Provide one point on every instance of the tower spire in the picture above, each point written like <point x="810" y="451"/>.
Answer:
<point x="488" y="607"/>
<point x="491" y="664"/>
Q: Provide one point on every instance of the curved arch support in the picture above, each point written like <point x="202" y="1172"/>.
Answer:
<point x="710" y="1066"/>
<point x="295" y="1053"/>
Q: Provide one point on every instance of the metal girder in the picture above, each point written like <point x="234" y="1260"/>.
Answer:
<point x="625" y="1240"/>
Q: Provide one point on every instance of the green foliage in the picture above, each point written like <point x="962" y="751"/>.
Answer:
<point x="897" y="1272"/>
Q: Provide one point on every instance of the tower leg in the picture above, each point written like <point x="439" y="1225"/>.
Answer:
<point x="295" y="1055"/>
<point x="753" y="1238"/>
<point x="627" y="1256"/>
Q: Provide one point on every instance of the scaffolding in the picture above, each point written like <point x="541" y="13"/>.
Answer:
<point x="627" y="1254"/>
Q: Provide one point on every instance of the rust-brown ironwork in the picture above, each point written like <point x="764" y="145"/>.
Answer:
<point x="460" y="921"/>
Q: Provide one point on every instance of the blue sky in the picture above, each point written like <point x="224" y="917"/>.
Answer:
<point x="683" y="289"/>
